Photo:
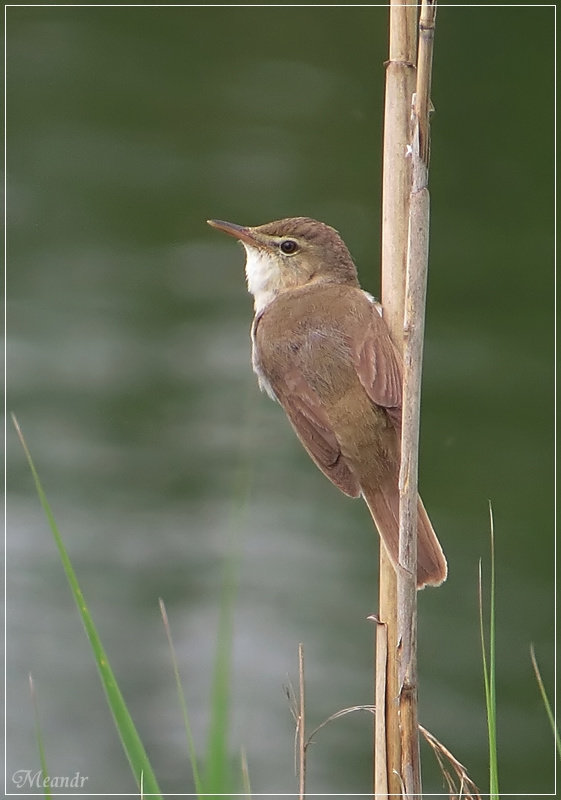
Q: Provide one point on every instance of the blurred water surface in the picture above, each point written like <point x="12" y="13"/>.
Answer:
<point x="128" y="365"/>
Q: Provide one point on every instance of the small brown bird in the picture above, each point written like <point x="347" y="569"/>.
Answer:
<point x="323" y="351"/>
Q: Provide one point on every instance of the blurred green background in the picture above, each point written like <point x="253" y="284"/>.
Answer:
<point x="129" y="371"/>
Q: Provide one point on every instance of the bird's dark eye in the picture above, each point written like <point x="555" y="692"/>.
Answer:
<point x="288" y="246"/>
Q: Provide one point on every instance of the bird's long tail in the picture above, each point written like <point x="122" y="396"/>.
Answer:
<point x="384" y="507"/>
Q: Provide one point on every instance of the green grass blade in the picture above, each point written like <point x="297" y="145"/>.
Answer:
<point x="130" y="739"/>
<point x="217" y="776"/>
<point x="217" y="768"/>
<point x="39" y="736"/>
<point x="245" y="775"/>
<point x="545" y="699"/>
<point x="489" y="670"/>
<point x="493" y="762"/>
<point x="182" y="703"/>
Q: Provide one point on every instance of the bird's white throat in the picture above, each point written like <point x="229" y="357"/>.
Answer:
<point x="262" y="276"/>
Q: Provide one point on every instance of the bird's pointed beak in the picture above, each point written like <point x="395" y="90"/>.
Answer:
<point x="240" y="232"/>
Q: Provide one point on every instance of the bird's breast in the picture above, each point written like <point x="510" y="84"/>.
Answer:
<point x="307" y="339"/>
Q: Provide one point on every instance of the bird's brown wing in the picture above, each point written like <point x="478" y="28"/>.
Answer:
<point x="378" y="367"/>
<point x="305" y="412"/>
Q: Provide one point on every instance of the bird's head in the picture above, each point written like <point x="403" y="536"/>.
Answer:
<point x="290" y="253"/>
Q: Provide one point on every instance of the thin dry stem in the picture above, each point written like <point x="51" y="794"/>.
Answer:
<point x="424" y="75"/>
<point x="380" y="760"/>
<point x="466" y="790"/>
<point x="337" y="715"/>
<point x="301" y="727"/>
<point x="460" y="786"/>
<point x="293" y="706"/>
